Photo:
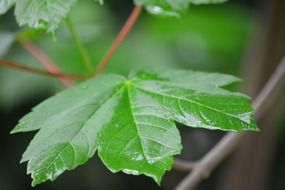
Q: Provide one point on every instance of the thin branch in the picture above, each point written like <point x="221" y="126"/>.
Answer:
<point x="275" y="82"/>
<point x="120" y="38"/>
<point x="37" y="53"/>
<point x="183" y="165"/>
<point x="81" y="48"/>
<point x="20" y="67"/>
<point x="222" y="149"/>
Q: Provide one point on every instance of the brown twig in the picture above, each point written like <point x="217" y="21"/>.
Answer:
<point x="120" y="38"/>
<point x="20" y="67"/>
<point x="47" y="62"/>
<point x="222" y="149"/>
<point x="183" y="165"/>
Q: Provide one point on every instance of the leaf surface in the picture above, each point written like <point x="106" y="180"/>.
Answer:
<point x="129" y="121"/>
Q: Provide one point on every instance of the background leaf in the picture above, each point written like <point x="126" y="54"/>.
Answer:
<point x="42" y="14"/>
<point x="171" y="7"/>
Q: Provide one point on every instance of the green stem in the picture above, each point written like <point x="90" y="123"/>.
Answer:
<point x="80" y="46"/>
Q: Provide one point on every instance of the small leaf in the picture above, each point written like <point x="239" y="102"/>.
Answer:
<point x="43" y="14"/>
<point x="171" y="7"/>
<point x="130" y="122"/>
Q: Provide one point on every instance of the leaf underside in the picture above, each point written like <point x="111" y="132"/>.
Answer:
<point x="47" y="14"/>
<point x="129" y="121"/>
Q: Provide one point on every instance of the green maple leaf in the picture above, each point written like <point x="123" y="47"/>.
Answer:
<point x="129" y="121"/>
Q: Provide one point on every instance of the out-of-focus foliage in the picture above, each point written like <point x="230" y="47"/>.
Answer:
<point x="47" y="14"/>
<point x="6" y="40"/>
<point x="194" y="42"/>
<point x="201" y="41"/>
<point x="171" y="7"/>
<point x="39" y="14"/>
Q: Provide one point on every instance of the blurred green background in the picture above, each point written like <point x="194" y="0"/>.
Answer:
<point x="211" y="38"/>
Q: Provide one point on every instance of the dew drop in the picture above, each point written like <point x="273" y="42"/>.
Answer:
<point x="155" y="9"/>
<point x="133" y="172"/>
